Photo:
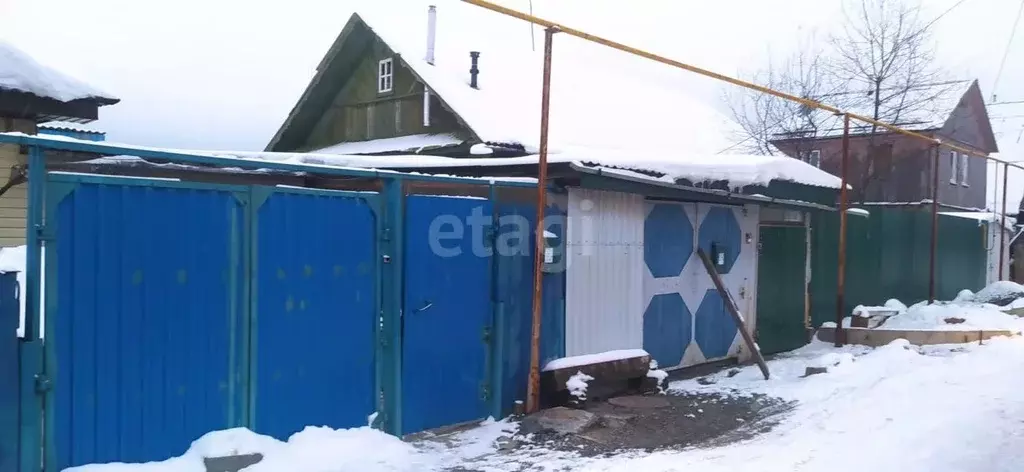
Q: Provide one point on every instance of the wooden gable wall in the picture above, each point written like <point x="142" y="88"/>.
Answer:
<point x="358" y="112"/>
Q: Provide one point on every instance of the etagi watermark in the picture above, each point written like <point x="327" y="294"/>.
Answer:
<point x="510" y="235"/>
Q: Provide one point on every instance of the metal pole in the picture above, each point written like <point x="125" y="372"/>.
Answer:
<point x="935" y="223"/>
<point x="1002" y="224"/>
<point x="533" y="389"/>
<point x="844" y="204"/>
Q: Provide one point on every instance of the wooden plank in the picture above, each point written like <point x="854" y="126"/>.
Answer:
<point x="730" y="305"/>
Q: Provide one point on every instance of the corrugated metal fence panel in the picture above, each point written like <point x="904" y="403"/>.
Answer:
<point x="146" y="327"/>
<point x="446" y="313"/>
<point x="605" y="264"/>
<point x="314" y="312"/>
<point x="888" y="257"/>
<point x="515" y="298"/>
<point x="9" y="370"/>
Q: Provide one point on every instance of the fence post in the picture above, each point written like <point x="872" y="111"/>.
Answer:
<point x="391" y="248"/>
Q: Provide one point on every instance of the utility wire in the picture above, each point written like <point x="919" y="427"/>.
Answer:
<point x="1006" y="51"/>
<point x="937" y="18"/>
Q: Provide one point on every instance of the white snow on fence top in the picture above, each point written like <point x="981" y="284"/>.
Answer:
<point x="986" y="216"/>
<point x="20" y="72"/>
<point x="599" y="97"/>
<point x="411" y="144"/>
<point x="588" y="359"/>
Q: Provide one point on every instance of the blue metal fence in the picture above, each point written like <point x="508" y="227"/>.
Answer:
<point x="9" y="369"/>
<point x="176" y="308"/>
<point x="315" y="304"/>
<point x="143" y="332"/>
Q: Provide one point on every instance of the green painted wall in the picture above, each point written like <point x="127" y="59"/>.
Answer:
<point x="887" y="257"/>
<point x="359" y="113"/>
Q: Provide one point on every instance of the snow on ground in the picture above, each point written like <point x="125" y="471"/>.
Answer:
<point x="945" y="408"/>
<point x="12" y="259"/>
<point x="934" y="317"/>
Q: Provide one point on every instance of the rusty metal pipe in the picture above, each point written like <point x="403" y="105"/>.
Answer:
<point x="1002" y="223"/>
<point x="935" y="224"/>
<point x="844" y="204"/>
<point x="714" y="75"/>
<point x="533" y="389"/>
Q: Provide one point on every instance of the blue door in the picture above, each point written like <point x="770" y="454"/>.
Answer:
<point x="446" y="313"/>
<point x="314" y="306"/>
<point x="143" y="335"/>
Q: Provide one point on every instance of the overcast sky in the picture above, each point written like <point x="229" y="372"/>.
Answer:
<point x="223" y="74"/>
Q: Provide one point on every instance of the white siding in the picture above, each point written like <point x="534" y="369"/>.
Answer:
<point x="604" y="275"/>
<point x="992" y="243"/>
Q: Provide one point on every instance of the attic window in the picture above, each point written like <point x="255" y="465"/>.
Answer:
<point x="385" y="75"/>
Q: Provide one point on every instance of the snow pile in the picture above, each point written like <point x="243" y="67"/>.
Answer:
<point x="948" y="316"/>
<point x="657" y="374"/>
<point x="321" y="449"/>
<point x="1000" y="293"/>
<point x="312" y="449"/>
<point x="577" y="385"/>
<point x="895" y="304"/>
<point x="964" y="295"/>
<point x="12" y="259"/>
<point x="19" y="72"/>
<point x="588" y="359"/>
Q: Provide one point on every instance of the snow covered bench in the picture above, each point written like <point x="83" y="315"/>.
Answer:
<point x="575" y="379"/>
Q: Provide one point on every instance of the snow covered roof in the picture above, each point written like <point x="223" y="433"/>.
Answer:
<point x="932" y="105"/>
<point x="599" y="97"/>
<point x="983" y="216"/>
<point x="20" y="72"/>
<point x="410" y="144"/>
<point x="668" y="166"/>
<point x="67" y="126"/>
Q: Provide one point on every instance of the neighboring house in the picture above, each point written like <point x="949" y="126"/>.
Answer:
<point x="900" y="167"/>
<point x="379" y="91"/>
<point x="32" y="93"/>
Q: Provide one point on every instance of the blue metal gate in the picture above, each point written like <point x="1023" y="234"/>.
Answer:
<point x="315" y="302"/>
<point x="447" y="311"/>
<point x="143" y="337"/>
<point x="9" y="373"/>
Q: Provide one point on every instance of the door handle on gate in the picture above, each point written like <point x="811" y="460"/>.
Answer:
<point x="424" y="307"/>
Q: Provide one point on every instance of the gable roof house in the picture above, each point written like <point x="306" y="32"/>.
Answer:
<point x="894" y="168"/>
<point x="633" y="166"/>
<point x="32" y="93"/>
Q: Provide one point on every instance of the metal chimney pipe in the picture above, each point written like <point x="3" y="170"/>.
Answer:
<point x="474" y="57"/>
<point x="431" y="33"/>
<point x="431" y="37"/>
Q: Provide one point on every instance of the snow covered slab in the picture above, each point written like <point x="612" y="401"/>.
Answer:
<point x="881" y="337"/>
<point x="588" y="359"/>
<point x="21" y="73"/>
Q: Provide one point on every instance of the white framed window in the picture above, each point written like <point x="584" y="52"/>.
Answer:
<point x="965" y="160"/>
<point x="385" y="75"/>
<point x="814" y="158"/>
<point x="954" y="165"/>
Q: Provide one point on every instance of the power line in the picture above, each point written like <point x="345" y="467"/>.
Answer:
<point x="1006" y="51"/>
<point x="937" y="18"/>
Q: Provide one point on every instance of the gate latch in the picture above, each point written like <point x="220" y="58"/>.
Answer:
<point x="43" y="383"/>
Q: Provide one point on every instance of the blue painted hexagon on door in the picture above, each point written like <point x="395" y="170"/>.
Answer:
<point x="667" y="329"/>
<point x="715" y="330"/>
<point x="721" y="229"/>
<point x="668" y="239"/>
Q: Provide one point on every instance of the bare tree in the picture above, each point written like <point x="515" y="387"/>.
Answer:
<point x="880" y="64"/>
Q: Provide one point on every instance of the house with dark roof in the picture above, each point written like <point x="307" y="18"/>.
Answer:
<point x="32" y="93"/>
<point x="895" y="168"/>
